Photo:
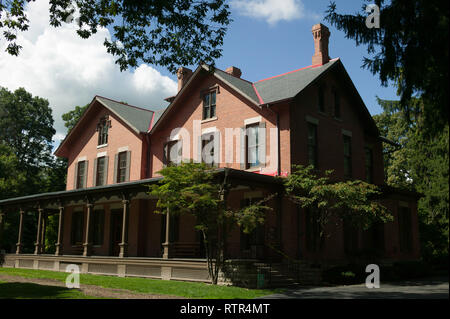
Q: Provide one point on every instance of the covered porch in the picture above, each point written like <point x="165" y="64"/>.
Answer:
<point x="113" y="230"/>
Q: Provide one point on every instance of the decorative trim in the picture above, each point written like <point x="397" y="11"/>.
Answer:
<point x="82" y="158"/>
<point x="101" y="146"/>
<point x="101" y="154"/>
<point x="347" y="133"/>
<point x="209" y="120"/>
<point x="253" y="120"/>
<point x="122" y="149"/>
<point x="209" y="130"/>
<point x="312" y="120"/>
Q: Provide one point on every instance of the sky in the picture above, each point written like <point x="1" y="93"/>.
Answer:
<point x="266" y="38"/>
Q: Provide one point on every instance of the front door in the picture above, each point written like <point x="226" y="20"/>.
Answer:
<point x="116" y="231"/>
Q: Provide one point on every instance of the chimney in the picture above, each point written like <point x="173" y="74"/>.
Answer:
<point x="234" y="71"/>
<point x="183" y="75"/>
<point x="321" y="35"/>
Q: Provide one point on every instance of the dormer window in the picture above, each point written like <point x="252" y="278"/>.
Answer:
<point x="102" y="128"/>
<point x="209" y="105"/>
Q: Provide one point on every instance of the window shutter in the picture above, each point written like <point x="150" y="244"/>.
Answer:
<point x="127" y="170"/>
<point x="165" y="148"/>
<point x="262" y="143"/>
<point x="116" y="162"/>
<point x="86" y="166"/>
<point x="76" y="176"/>
<point x="105" y="181"/>
<point x="94" y="177"/>
<point x="243" y="157"/>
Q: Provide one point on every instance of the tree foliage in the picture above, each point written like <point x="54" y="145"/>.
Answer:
<point x="195" y="188"/>
<point x="71" y="118"/>
<point x="169" y="33"/>
<point x="410" y="48"/>
<point x="355" y="201"/>
<point x="420" y="164"/>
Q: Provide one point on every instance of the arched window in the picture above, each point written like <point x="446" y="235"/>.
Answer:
<point x="102" y="128"/>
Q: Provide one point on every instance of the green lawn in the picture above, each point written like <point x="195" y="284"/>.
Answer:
<point x="144" y="285"/>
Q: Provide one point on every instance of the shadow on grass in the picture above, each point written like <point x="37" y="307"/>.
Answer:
<point x="16" y="290"/>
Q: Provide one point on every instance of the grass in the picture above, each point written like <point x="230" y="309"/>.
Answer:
<point x="15" y="290"/>
<point x="145" y="285"/>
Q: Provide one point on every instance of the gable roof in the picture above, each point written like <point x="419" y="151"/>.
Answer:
<point x="288" y="85"/>
<point x="137" y="119"/>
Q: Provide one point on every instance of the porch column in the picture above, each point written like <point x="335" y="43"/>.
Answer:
<point x="37" y="245"/>
<point x="87" y="244"/>
<point x="58" y="241"/>
<point x="43" y="227"/>
<point x="19" y="240"/>
<point x="166" y="245"/>
<point x="2" y="223"/>
<point x="123" y="245"/>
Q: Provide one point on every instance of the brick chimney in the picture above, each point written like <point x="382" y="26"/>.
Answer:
<point x="234" y="71"/>
<point x="183" y="75"/>
<point x="321" y="35"/>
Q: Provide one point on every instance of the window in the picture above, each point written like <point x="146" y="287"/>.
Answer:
<point x="347" y="156"/>
<point x="208" y="155"/>
<point x="122" y="167"/>
<point x="404" y="227"/>
<point x="77" y="228"/>
<point x="102" y="128"/>
<point x="369" y="164"/>
<point x="252" y="141"/>
<point x="98" y="225"/>
<point x="209" y="105"/>
<point x="337" y="105"/>
<point x="101" y="171"/>
<point x="312" y="144"/>
<point x="81" y="174"/>
<point x="321" y="98"/>
<point x="174" y="152"/>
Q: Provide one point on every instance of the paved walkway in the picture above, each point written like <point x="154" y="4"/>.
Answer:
<point x="429" y="288"/>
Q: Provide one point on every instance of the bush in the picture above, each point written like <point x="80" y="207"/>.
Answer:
<point x="345" y="275"/>
<point x="406" y="270"/>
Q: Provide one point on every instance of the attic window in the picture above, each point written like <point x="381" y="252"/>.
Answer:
<point x="102" y="128"/>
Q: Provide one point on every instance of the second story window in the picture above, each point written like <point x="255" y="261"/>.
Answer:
<point x="347" y="156"/>
<point x="369" y="164"/>
<point x="101" y="171"/>
<point x="173" y="152"/>
<point x="81" y="174"/>
<point x="209" y="105"/>
<point x="208" y="155"/>
<point x="122" y="167"/>
<point x="253" y="145"/>
<point x="312" y="145"/>
<point x="102" y="128"/>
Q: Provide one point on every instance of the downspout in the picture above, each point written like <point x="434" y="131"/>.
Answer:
<point x="278" y="139"/>
<point x="147" y="136"/>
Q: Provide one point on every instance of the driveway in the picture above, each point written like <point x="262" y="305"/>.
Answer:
<point x="429" y="288"/>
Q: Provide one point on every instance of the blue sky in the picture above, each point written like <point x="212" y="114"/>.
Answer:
<point x="266" y="38"/>
<point x="261" y="49"/>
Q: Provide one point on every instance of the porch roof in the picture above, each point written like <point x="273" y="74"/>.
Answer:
<point x="236" y="175"/>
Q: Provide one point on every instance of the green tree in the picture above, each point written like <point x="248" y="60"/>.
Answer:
<point x="71" y="118"/>
<point x="11" y="178"/>
<point x="354" y="201"/>
<point x="410" y="48"/>
<point x="420" y="164"/>
<point x="195" y="188"/>
<point x="169" y="33"/>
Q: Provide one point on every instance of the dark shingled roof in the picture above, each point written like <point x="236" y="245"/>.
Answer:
<point x="138" y="118"/>
<point x="243" y="86"/>
<point x="288" y="85"/>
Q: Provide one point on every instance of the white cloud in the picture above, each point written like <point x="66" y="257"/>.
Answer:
<point x="272" y="11"/>
<point x="56" y="64"/>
